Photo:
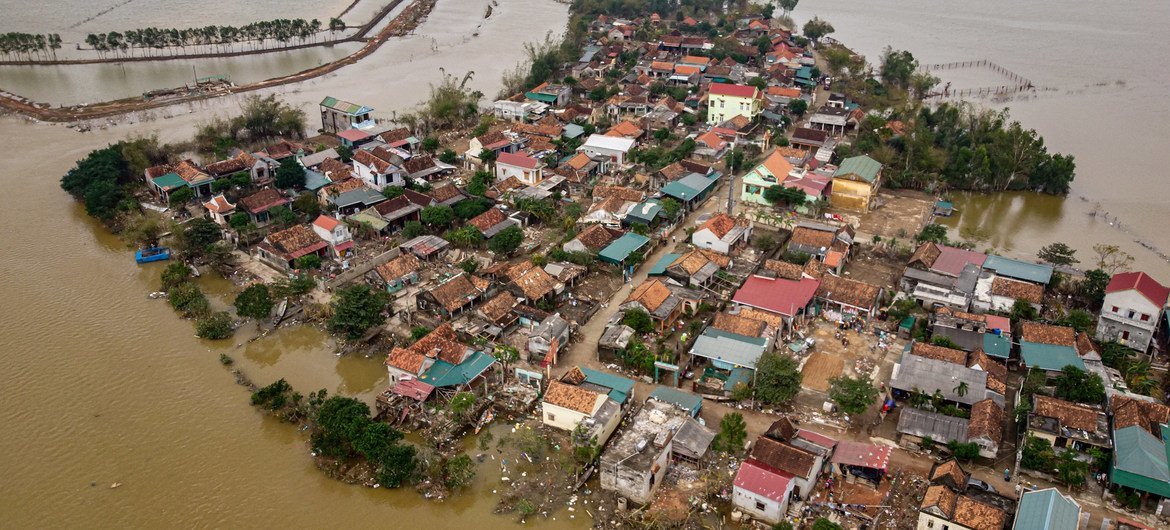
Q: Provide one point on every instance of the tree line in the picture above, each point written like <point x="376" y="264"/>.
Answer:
<point x="30" y="45"/>
<point x="153" y="40"/>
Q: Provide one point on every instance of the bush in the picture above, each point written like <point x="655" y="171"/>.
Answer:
<point x="1038" y="455"/>
<point x="356" y="309"/>
<point x="732" y="432"/>
<point x="216" y="326"/>
<point x="309" y="261"/>
<point x="176" y="273"/>
<point x="639" y="320"/>
<point x="777" y="378"/>
<point x="507" y="240"/>
<point x="798" y="258"/>
<point x="254" y="302"/>
<point x="186" y="298"/>
<point x="413" y="229"/>
<point x="964" y="451"/>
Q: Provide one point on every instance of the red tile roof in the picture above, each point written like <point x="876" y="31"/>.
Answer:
<point x="326" y="222"/>
<point x="727" y="89"/>
<point x="263" y="200"/>
<point x="518" y="160"/>
<point x="1142" y="283"/>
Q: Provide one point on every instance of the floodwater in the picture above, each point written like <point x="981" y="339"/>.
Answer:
<point x="1106" y="103"/>
<point x="103" y="385"/>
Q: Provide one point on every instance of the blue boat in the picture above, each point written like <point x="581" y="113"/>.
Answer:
<point x="152" y="254"/>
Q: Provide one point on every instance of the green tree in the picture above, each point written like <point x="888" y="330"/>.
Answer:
<point x="437" y="216"/>
<point x="778" y="378"/>
<point x="638" y="356"/>
<point x="506" y="354"/>
<point x="459" y="472"/>
<point x="1072" y="472"/>
<point x="784" y="195"/>
<point x="356" y="309"/>
<point x="239" y="221"/>
<point x="1037" y="454"/>
<point x="413" y="229"/>
<point x="1111" y="259"/>
<point x="393" y="192"/>
<point x="897" y="67"/>
<point x="817" y="28"/>
<point x="187" y="299"/>
<point x="345" y="152"/>
<point x="216" y="326"/>
<point x="282" y="217"/>
<point x="824" y="524"/>
<point x="470" y="208"/>
<point x="639" y="320"/>
<point x="1023" y="310"/>
<point x="853" y="395"/>
<point x="1079" y="386"/>
<point x="946" y="342"/>
<point x="448" y="156"/>
<point x="430" y="144"/>
<point x="507" y="240"/>
<point x="732" y="432"/>
<point x="964" y="451"/>
<point x="765" y="242"/>
<point x="341" y="422"/>
<point x="461" y="403"/>
<point x="797" y="107"/>
<point x="176" y="273"/>
<point x="480" y="182"/>
<point x="176" y="199"/>
<point x="465" y="237"/>
<point x="1058" y="254"/>
<point x="1079" y="319"/>
<point x="255" y="301"/>
<point x="309" y="262"/>
<point x="307" y="204"/>
<point x="787" y="5"/>
<point x="290" y="174"/>
<point x="933" y="233"/>
<point x="670" y="208"/>
<point x="961" y="389"/>
<point x="1092" y="288"/>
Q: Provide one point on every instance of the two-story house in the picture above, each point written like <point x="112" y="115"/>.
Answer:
<point x="334" y="232"/>
<point x="1132" y="309"/>
<point x="726" y="101"/>
<point x="526" y="168"/>
<point x="856" y="183"/>
<point x="375" y="168"/>
<point x="338" y="115"/>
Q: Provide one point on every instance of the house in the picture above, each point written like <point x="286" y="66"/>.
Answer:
<point x="492" y="221"/>
<point x="338" y="115"/>
<point x="656" y="299"/>
<point x="777" y="296"/>
<point x="549" y="94"/>
<point x="801" y="465"/>
<point x="355" y="199"/>
<point x="425" y="247"/>
<point x="950" y="503"/>
<point x="591" y="239"/>
<point x="856" y="183"/>
<point x="727" y="351"/>
<point x="807" y="139"/>
<point x="518" y="110"/>
<point x="1023" y="271"/>
<point x="687" y="402"/>
<point x="1047" y="509"/>
<point x="220" y="209"/>
<point x="1068" y="425"/>
<point x="398" y="211"/>
<point x="375" y="168"/>
<point x="423" y="167"/>
<point x="257" y="204"/>
<point x="692" y="189"/>
<point x="282" y="249"/>
<point x="915" y="373"/>
<point x="761" y="491"/>
<point x="970" y="331"/>
<point x="259" y="169"/>
<point x="399" y="272"/>
<point x="998" y="293"/>
<point x="833" y="120"/>
<point x="1133" y="308"/>
<point x="771" y="172"/>
<point x="618" y="388"/>
<point x="862" y="460"/>
<point x="496" y="141"/>
<point x="710" y="146"/>
<point x="567" y="406"/>
<point x="614" y="149"/>
<point x="335" y="233"/>
<point x="498" y="310"/>
<point x="941" y="276"/>
<point x="696" y="268"/>
<point x="819" y="240"/>
<point x="985" y="427"/>
<point x="625" y="129"/>
<point x="197" y="179"/>
<point x="533" y="283"/>
<point x="845" y="296"/>
<point x="916" y="425"/>
<point x="1048" y="348"/>
<point x="637" y="459"/>
<point x="439" y="359"/>
<point x="446" y="195"/>
<point x="529" y="170"/>
<point x="726" y="101"/>
<point x="401" y="139"/>
<point x="623" y="247"/>
<point x="353" y="138"/>
<point x="723" y="234"/>
<point x="1141" y="444"/>
<point x="449" y="298"/>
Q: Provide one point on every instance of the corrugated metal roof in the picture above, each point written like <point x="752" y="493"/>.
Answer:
<point x="1020" y="270"/>
<point x="170" y="181"/>
<point x="443" y="374"/>
<point x="731" y="348"/>
<point x="1047" y="509"/>
<point x="684" y="400"/>
<point x="619" y="387"/>
<point x="621" y="249"/>
<point x="1049" y="356"/>
<point x="996" y="346"/>
<point x="660" y="266"/>
<point x="938" y="427"/>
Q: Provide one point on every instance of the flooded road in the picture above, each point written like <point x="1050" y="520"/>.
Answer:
<point x="1108" y="107"/>
<point x="104" y="385"/>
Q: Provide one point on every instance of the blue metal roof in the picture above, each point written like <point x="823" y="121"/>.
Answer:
<point x="1047" y="509"/>
<point x="1019" y="270"/>
<point x="315" y="181"/>
<point x="619" y="387"/>
<point x="683" y="400"/>
<point x="621" y="249"/>
<point x="660" y="266"/>
<point x="645" y="212"/>
<point x="997" y="346"/>
<point x="729" y="348"/>
<point x="689" y="187"/>
<point x="1049" y="357"/>
<point x="442" y="373"/>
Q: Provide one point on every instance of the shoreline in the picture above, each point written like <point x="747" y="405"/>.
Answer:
<point x="401" y="25"/>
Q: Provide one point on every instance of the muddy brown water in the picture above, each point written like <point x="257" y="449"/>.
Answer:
<point x="103" y="385"/>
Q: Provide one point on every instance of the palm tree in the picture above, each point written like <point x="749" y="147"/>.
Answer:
<point x="961" y="390"/>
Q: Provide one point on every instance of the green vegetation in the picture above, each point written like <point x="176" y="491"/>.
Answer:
<point x="261" y="119"/>
<point x="964" y="451"/>
<point x="1079" y="386"/>
<point x="459" y="472"/>
<point x="437" y="216"/>
<point x="639" y="320"/>
<point x="1038" y="455"/>
<point x="783" y="195"/>
<point x="853" y="395"/>
<point x="216" y="326"/>
<point x="817" y="28"/>
<point x="255" y="301"/>
<point x="176" y="273"/>
<point x="188" y="300"/>
<point x="290" y="174"/>
<point x="451" y="105"/>
<point x="933" y="233"/>
<point x="777" y="378"/>
<point x="106" y="178"/>
<point x="44" y="45"/>
<point x="824" y="524"/>
<point x="507" y="240"/>
<point x="149" y="41"/>
<point x="945" y="342"/>
<point x="344" y="430"/>
<point x="356" y="309"/>
<point x="465" y="237"/>
<point x="638" y="356"/>
<point x="732" y="433"/>
<point x="1058" y="254"/>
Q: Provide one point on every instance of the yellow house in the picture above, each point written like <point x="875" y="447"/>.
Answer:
<point x="726" y="101"/>
<point x="566" y="406"/>
<point x="856" y="183"/>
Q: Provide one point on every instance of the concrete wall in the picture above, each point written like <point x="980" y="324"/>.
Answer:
<point x="851" y="195"/>
<point x="560" y="417"/>
<point x="706" y="239"/>
<point x="1112" y="324"/>
<point x="772" y="511"/>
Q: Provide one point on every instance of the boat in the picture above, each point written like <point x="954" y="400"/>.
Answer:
<point x="152" y="254"/>
<point x="487" y="417"/>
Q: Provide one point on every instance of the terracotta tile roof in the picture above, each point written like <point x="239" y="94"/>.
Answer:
<point x="596" y="237"/>
<point x="847" y="291"/>
<point x="650" y="294"/>
<point x="294" y="239"/>
<point x="395" y="135"/>
<point x="571" y="397"/>
<point x="406" y="360"/>
<point x="498" y="307"/>
<point x="784" y="457"/>
<point x="325" y="222"/>
<point x="219" y="204"/>
<point x="977" y="515"/>
<point x="1047" y="334"/>
<point x="538" y="144"/>
<point x="456" y="293"/>
<point x="1069" y="414"/>
<point x="154" y="172"/>
<point x="263" y="200"/>
<point x="445" y="193"/>
<point x="335" y="170"/>
<point x="773" y="320"/>
<point x="719" y="224"/>
<point x="691" y="262"/>
<point x="493" y="138"/>
<point x="190" y="172"/>
<point x="612" y="205"/>
<point x="621" y="192"/>
<point x="941" y="497"/>
<point x="939" y="353"/>
<point x="579" y="161"/>
<point x="418" y="163"/>
<point x="809" y="237"/>
<point x="441" y="343"/>
<point x="1028" y="292"/>
<point x="625" y="129"/>
<point x="950" y="469"/>
<point x="1128" y="412"/>
<point x="739" y="324"/>
<point x="337" y="188"/>
<point x="783" y="269"/>
<point x="814" y="269"/>
<point x="399" y="267"/>
<point x="721" y="260"/>
<point x="535" y="283"/>
<point x="368" y="159"/>
<point x="1084" y="344"/>
<point x="509" y="184"/>
<point x="488" y="219"/>
<point x="925" y="254"/>
<point x="235" y="164"/>
<point x="996" y="371"/>
<point x="972" y="317"/>
<point x="546" y="130"/>
<point x="480" y="283"/>
<point x="987" y="419"/>
<point x="674" y="171"/>
<point x="806" y="135"/>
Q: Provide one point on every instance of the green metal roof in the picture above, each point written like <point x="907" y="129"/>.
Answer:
<point x="619" y="387"/>
<point x="443" y="374"/>
<point x="1020" y="270"/>
<point x="1046" y="509"/>
<point x="738" y="375"/>
<point x="621" y="249"/>
<point x="315" y="180"/>
<point x="543" y="98"/>
<point x="863" y="166"/>
<point x="684" y="400"/>
<point x="344" y="106"/>
<point x="730" y="348"/>
<point x="645" y="212"/>
<point x="660" y="266"/>
<point x="170" y="181"/>
<point x="908" y="322"/>
<point x="1049" y="356"/>
<point x="689" y="187"/>
<point x="1140" y="460"/>
<point x="996" y="346"/>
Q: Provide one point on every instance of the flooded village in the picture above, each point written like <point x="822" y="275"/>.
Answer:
<point x="680" y="273"/>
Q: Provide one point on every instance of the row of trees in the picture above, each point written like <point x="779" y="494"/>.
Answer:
<point x="257" y="34"/>
<point x="30" y="45"/>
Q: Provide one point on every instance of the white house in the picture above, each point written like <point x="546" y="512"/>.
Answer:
<point x="334" y="232"/>
<point x="613" y="147"/>
<point x="518" y="110"/>
<point x="376" y="171"/>
<point x="220" y="209"/>
<point x="1133" y="307"/>
<point x="722" y="233"/>
<point x="528" y="169"/>
<point x="566" y="406"/>
<point x="762" y="492"/>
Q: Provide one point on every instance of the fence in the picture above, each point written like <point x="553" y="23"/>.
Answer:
<point x="1017" y="83"/>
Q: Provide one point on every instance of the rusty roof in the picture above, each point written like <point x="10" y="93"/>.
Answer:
<point x="398" y="267"/>
<point x="739" y="324"/>
<point x="946" y="310"/>
<point x="977" y="515"/>
<point x="442" y="343"/>
<point x="263" y="200"/>
<point x="941" y="497"/>
<point x="456" y="293"/>
<point x="650" y="294"/>
<point x="939" y="353"/>
<point x="996" y="371"/>
<point x="535" y="283"/>
<point x="621" y="192"/>
<point x="294" y="238"/>
<point x="987" y="419"/>
<point x="1028" y="292"/>
<point x="925" y="254"/>
<point x="488" y="219"/>
<point x="691" y="262"/>
<point x="847" y="291"/>
<point x="571" y="397"/>
<point x="950" y="469"/>
<point x="784" y="457"/>
<point x="406" y="360"/>
<point x="1075" y="415"/>
<point x="445" y="193"/>
<point x="1048" y="334"/>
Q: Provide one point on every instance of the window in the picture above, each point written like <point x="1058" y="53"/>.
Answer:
<point x="721" y="103"/>
<point x="930" y="524"/>
<point x="1145" y="317"/>
<point x="1125" y="335"/>
<point x="760" y="506"/>
<point x="1132" y="314"/>
<point x="1116" y="309"/>
<point x="551" y="416"/>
